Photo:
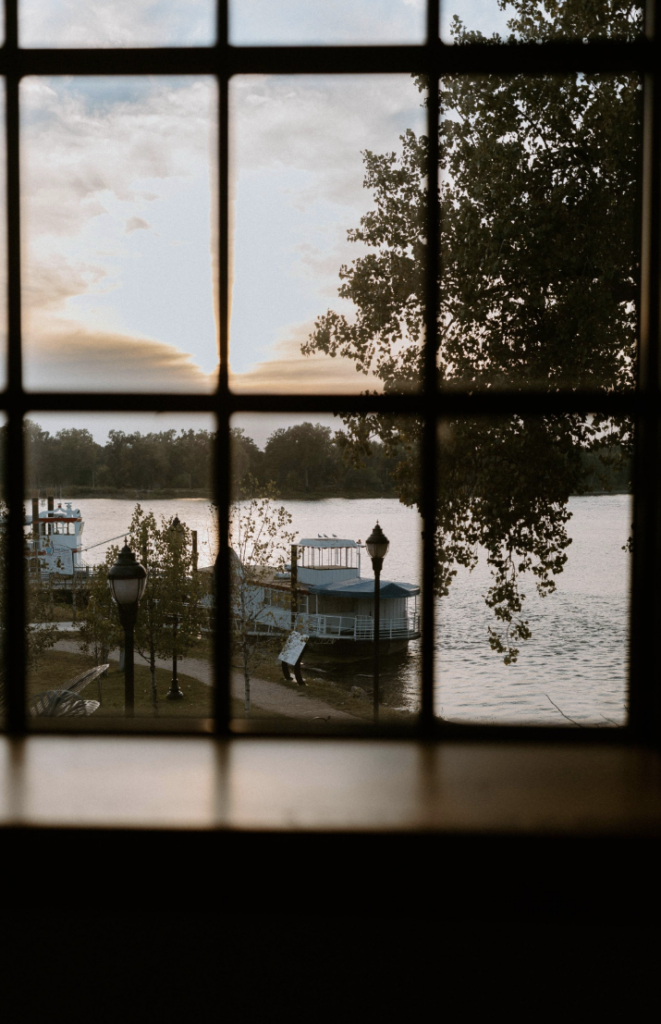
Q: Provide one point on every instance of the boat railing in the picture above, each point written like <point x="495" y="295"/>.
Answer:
<point x="357" y="627"/>
<point x="339" y="627"/>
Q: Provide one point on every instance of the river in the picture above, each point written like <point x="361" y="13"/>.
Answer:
<point x="576" y="659"/>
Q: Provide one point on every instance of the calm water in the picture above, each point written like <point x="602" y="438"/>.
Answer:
<point x="576" y="658"/>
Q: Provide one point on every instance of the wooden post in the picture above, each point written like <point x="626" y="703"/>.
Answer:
<point x="294" y="585"/>
<point x="194" y="554"/>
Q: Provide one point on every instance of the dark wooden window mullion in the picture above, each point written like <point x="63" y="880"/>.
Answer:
<point x="222" y="476"/>
<point x="14" y="598"/>
<point x="429" y="460"/>
<point x="645" y="662"/>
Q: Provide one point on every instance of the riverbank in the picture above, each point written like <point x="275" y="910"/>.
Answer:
<point x="268" y="699"/>
<point x="132" y="494"/>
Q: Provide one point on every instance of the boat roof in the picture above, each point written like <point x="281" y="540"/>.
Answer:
<point x="360" y="587"/>
<point x="326" y="542"/>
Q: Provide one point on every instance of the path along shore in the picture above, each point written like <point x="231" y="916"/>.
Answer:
<point x="270" y="696"/>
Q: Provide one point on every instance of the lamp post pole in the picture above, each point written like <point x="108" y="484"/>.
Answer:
<point x="174" y="693"/>
<point x="377" y="631"/>
<point x="129" y="666"/>
<point x="127" y="580"/>
<point x="377" y="545"/>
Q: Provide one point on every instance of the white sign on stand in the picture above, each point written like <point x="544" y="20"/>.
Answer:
<point x="291" y="654"/>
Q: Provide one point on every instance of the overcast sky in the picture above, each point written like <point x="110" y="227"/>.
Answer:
<point x="118" y="181"/>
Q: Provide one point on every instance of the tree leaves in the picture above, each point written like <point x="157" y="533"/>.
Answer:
<point x="539" y="209"/>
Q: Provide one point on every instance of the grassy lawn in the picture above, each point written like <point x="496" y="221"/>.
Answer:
<point x="59" y="667"/>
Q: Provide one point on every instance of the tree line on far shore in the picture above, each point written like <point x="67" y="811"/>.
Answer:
<point x="307" y="459"/>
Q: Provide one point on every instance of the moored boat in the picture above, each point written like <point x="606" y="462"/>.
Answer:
<point x="323" y="595"/>
<point x="54" y="543"/>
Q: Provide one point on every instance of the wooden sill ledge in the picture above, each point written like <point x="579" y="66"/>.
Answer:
<point x="326" y="785"/>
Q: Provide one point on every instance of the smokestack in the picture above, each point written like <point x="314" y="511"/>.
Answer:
<point x="51" y="503"/>
<point x="35" y="517"/>
<point x="194" y="536"/>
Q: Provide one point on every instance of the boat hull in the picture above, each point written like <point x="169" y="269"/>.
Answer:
<point x="352" y="650"/>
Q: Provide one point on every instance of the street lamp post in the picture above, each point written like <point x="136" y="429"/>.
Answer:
<point x="377" y="545"/>
<point x="127" y="580"/>
<point x="174" y="693"/>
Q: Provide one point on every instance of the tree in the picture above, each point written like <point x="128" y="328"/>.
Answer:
<point x="302" y="455"/>
<point x="247" y="459"/>
<point x="539" y="255"/>
<point x="170" y="616"/>
<point x="99" y="630"/>
<point x="260" y="547"/>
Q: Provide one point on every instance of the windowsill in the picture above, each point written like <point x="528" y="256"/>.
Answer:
<point x="327" y="785"/>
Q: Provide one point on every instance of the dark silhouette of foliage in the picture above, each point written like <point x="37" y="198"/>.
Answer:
<point x="539" y="209"/>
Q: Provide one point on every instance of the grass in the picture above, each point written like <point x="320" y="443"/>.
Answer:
<point x="59" y="667"/>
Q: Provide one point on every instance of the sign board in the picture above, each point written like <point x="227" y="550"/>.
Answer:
<point x="292" y="652"/>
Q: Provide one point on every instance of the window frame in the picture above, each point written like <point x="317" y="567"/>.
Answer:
<point x="434" y="59"/>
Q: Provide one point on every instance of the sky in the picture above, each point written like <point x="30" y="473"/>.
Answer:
<point x="119" y="210"/>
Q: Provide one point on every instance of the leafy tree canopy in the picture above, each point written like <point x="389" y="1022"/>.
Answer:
<point x="539" y="207"/>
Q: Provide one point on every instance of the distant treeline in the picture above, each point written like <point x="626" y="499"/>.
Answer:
<point x="309" y="459"/>
<point x="304" y="460"/>
<point x="72" y="460"/>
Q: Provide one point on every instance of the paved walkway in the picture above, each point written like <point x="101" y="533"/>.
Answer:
<point x="264" y="694"/>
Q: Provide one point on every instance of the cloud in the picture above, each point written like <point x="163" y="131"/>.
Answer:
<point x="78" y="359"/>
<point x="320" y="125"/>
<point x="136" y="224"/>
<point x="290" y="371"/>
<point x="116" y="22"/>
<point x="330" y="21"/>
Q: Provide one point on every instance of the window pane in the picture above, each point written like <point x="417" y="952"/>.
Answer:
<point x="314" y="483"/>
<point x="254" y="22"/>
<point x="95" y="480"/>
<point x="75" y="23"/>
<point x="533" y="567"/>
<point x="328" y="275"/>
<point x="463" y="21"/>
<point x="119" y="233"/>
<point x="540" y="231"/>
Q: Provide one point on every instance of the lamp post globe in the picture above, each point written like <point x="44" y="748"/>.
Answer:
<point x="127" y="580"/>
<point x="377" y="545"/>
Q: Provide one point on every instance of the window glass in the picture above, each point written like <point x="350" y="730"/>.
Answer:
<point x="75" y="23"/>
<point x="540" y="180"/>
<point x="119" y="233"/>
<point x="96" y="481"/>
<point x="466" y="21"/>
<point x="328" y="273"/>
<point x="308" y="492"/>
<point x="533" y="563"/>
<point x="254" y="22"/>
